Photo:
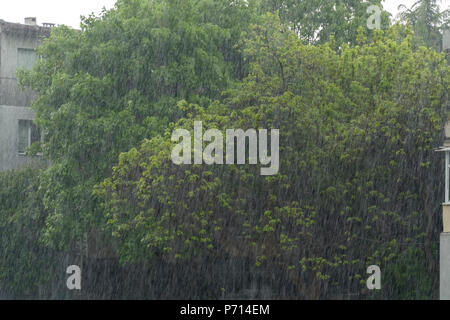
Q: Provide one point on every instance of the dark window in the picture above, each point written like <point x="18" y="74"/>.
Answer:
<point x="28" y="134"/>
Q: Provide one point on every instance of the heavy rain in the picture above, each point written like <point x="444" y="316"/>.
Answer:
<point x="93" y="206"/>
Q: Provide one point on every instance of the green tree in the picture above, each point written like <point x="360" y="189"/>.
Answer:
<point x="315" y="21"/>
<point x="105" y="88"/>
<point x="357" y="165"/>
<point x="26" y="265"/>
<point x="427" y="21"/>
<point x="358" y="176"/>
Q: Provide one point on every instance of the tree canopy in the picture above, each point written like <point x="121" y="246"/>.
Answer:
<point x="359" y="113"/>
<point x="315" y="21"/>
<point x="357" y="135"/>
<point x="106" y="88"/>
<point x="428" y="22"/>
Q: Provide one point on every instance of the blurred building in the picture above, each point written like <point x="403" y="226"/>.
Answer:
<point x="17" y="130"/>
<point x="446" y="41"/>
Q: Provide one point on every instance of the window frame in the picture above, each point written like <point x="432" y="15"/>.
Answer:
<point x="20" y="56"/>
<point x="29" y="128"/>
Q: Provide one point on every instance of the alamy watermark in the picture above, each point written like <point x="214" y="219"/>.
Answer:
<point x="236" y="146"/>
<point x="74" y="280"/>
<point x="374" y="281"/>
<point x="374" y="21"/>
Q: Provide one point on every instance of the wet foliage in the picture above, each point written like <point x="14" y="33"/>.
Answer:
<point x="359" y="181"/>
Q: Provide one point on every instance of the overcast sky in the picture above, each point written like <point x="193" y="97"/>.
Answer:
<point x="69" y="11"/>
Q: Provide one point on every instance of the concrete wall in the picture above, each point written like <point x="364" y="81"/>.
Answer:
<point x="13" y="100"/>
<point x="444" y="288"/>
<point x="14" y="36"/>
<point x="9" y="137"/>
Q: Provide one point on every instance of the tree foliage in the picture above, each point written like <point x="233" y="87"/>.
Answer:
<point x="359" y="116"/>
<point x="357" y="165"/>
<point x="106" y="88"/>
<point x="315" y="21"/>
<point x="428" y="22"/>
<point x="26" y="265"/>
